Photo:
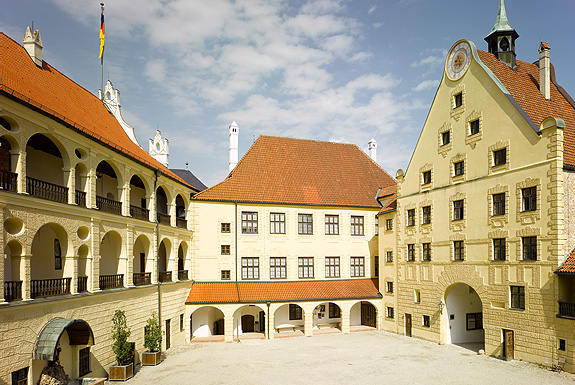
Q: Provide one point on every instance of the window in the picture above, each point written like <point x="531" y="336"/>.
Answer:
<point x="249" y="222"/>
<point x="458" y="168"/>
<point x="334" y="310"/>
<point x="226" y="274"/>
<point x="277" y="223"/>
<point x="305" y="224"/>
<point x="295" y="312"/>
<point x="390" y="312"/>
<point x="332" y="267"/>
<point x="20" y="377"/>
<point x="389" y="256"/>
<point x="331" y="224"/>
<point x="529" y="199"/>
<point x="474" y="127"/>
<point x="426" y="252"/>
<point x="426" y="215"/>
<point x="426" y="177"/>
<point x="278" y="269"/>
<point x="356" y="225"/>
<point x="83" y="361"/>
<point x="518" y="297"/>
<point x="561" y="344"/>
<point x="499" y="253"/>
<point x="57" y="255"/>
<point x="458" y="210"/>
<point x="357" y="267"/>
<point x="225" y="250"/>
<point x="250" y="268"/>
<point x="411" y="252"/>
<point x="305" y="267"/>
<point x="426" y="321"/>
<point x="499" y="204"/>
<point x="500" y="157"/>
<point x="181" y="322"/>
<point x="458" y="253"/>
<point x="376" y="225"/>
<point x="376" y="266"/>
<point x="225" y="227"/>
<point x="458" y="100"/>
<point x="411" y="217"/>
<point x="474" y="321"/>
<point x="417" y="296"/>
<point x="445" y="138"/>
<point x="529" y="248"/>
<point x="389" y="287"/>
<point x="389" y="224"/>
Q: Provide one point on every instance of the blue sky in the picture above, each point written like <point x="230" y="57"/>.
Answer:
<point x="327" y="69"/>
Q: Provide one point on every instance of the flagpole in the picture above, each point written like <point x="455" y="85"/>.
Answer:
<point x="102" y="52"/>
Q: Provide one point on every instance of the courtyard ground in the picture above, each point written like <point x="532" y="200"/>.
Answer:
<point x="373" y="357"/>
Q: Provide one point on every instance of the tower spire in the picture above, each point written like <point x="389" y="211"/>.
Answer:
<point x="501" y="23"/>
<point x="501" y="39"/>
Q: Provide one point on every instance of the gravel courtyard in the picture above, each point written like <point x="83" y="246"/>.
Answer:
<point x="373" y="357"/>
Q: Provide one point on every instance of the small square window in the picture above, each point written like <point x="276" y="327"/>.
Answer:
<point x="529" y="248"/>
<point x="389" y="256"/>
<point x="226" y="275"/>
<point x="426" y="215"/>
<point x="458" y="168"/>
<point x="474" y="321"/>
<point x="225" y="227"/>
<point x="225" y="250"/>
<point x="517" y="297"/>
<point x="561" y="344"/>
<point x="445" y="138"/>
<point x="498" y="204"/>
<point x="426" y="177"/>
<point x="411" y="217"/>
<point x="20" y="377"/>
<point x="426" y="321"/>
<point x="500" y="157"/>
<point x="389" y="287"/>
<point x="474" y="127"/>
<point x="458" y="100"/>
<point x="389" y="224"/>
<point x="390" y="312"/>
<point x="295" y="312"/>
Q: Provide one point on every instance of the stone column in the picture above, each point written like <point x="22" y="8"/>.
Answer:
<point x="152" y="206"/>
<point x="26" y="276"/>
<point x="345" y="316"/>
<point x="270" y="326"/>
<point x="74" y="283"/>
<point x="95" y="270"/>
<point x="91" y="189"/>
<point x="172" y="212"/>
<point x="70" y="177"/>
<point x="154" y="248"/>
<point x="308" y="323"/>
<point x="126" y="199"/>
<point x="21" y="170"/>
<point x="173" y="260"/>
<point x="229" y="328"/>
<point x="129" y="256"/>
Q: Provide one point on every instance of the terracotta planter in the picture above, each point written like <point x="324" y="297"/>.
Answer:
<point x="151" y="358"/>
<point x="121" y="372"/>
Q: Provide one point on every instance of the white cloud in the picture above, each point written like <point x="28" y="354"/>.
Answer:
<point x="426" y="85"/>
<point x="372" y="9"/>
<point x="428" y="60"/>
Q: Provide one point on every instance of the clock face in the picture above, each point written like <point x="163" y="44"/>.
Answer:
<point x="458" y="60"/>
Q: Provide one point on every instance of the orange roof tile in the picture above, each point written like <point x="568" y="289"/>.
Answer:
<point x="299" y="171"/>
<point x="568" y="267"/>
<point x="222" y="292"/>
<point x="52" y="93"/>
<point x="523" y="85"/>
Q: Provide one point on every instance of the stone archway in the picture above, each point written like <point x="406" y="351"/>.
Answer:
<point x="464" y="311"/>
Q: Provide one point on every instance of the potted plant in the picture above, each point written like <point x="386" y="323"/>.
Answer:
<point x="122" y="348"/>
<point x="152" y="342"/>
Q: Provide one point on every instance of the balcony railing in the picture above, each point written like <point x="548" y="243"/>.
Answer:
<point x="8" y="180"/>
<point x="182" y="275"/>
<point x="49" y="287"/>
<point x="109" y="205"/>
<point x="139" y="213"/>
<point x="142" y="279"/>
<point x="111" y="281"/>
<point x="164" y="219"/>
<point x="181" y="223"/>
<point x="81" y="198"/>
<point x="165" y="276"/>
<point x="82" y="284"/>
<point x="567" y="309"/>
<point x="12" y="290"/>
<point x="46" y="190"/>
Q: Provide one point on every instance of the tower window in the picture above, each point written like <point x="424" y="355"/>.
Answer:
<point x="504" y="44"/>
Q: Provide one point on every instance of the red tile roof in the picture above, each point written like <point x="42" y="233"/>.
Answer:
<point x="568" y="267"/>
<point x="222" y="292"/>
<point x="299" y="171"/>
<point x="523" y="85"/>
<point x="52" y="93"/>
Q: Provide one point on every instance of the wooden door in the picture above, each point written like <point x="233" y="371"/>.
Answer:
<point x="368" y="314"/>
<point x="508" y="345"/>
<point x="247" y="323"/>
<point x="168" y="342"/>
<point x="408" y="325"/>
<point x="262" y="321"/>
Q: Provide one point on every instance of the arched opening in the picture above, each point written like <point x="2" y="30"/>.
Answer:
<point x="464" y="312"/>
<point x="138" y="199"/>
<point x="12" y="276"/>
<point x="182" y="271"/>
<point x="163" y="261"/>
<point x="504" y="44"/>
<point x="250" y="319"/>
<point x="81" y="179"/>
<point x="207" y="321"/>
<point x="363" y="315"/>
<point x="83" y="268"/>
<point x="142" y="264"/>
<point x="48" y="264"/>
<point x="289" y="318"/>
<point x="327" y="318"/>
<point x="4" y="123"/>
<point x="162" y="206"/>
<point x="107" y="189"/>
<point x="181" y="221"/>
<point x="45" y="169"/>
<point x="110" y="269"/>
<point x="8" y="176"/>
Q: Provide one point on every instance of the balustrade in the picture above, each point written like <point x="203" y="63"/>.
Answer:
<point x="49" y="287"/>
<point x="139" y="213"/>
<point x="182" y="275"/>
<point x="109" y="205"/>
<point x="82" y="284"/>
<point x="164" y="219"/>
<point x="566" y="309"/>
<point x="8" y="180"/>
<point x="181" y="223"/>
<point x="142" y="279"/>
<point x="111" y="281"/>
<point x="12" y="290"/>
<point x="165" y="276"/>
<point x="45" y="190"/>
<point x="80" y="198"/>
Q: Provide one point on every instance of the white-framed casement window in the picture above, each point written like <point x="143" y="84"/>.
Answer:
<point x="249" y="222"/>
<point x="356" y="225"/>
<point x="277" y="223"/>
<point x="250" y="268"/>
<point x="332" y="267"/>
<point x="305" y="224"/>
<point x="305" y="267"/>
<point x="357" y="268"/>
<point x="332" y="225"/>
<point x="278" y="267"/>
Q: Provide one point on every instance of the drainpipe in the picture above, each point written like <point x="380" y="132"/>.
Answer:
<point x="158" y="174"/>
<point x="268" y="319"/>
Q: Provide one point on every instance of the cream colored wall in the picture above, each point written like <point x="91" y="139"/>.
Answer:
<point x="208" y="239"/>
<point x="388" y="270"/>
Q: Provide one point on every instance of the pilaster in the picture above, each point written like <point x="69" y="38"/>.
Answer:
<point x="229" y="328"/>
<point x="74" y="283"/>
<point x="308" y="323"/>
<point x="26" y="269"/>
<point x="21" y="170"/>
<point x="125" y="199"/>
<point x="345" y="326"/>
<point x="70" y="177"/>
<point x="129" y="256"/>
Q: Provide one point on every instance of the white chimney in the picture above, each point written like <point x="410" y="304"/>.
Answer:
<point x="33" y="45"/>
<point x="544" y="71"/>
<point x="372" y="147"/>
<point x="159" y="148"/>
<point x="234" y="131"/>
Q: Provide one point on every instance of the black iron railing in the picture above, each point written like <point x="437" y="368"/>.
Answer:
<point x="142" y="279"/>
<point x="8" y="180"/>
<point x="12" y="290"/>
<point x="82" y="284"/>
<point x="109" y="205"/>
<point x="566" y="309"/>
<point x="165" y="276"/>
<point x="49" y="287"/>
<point x="45" y="190"/>
<point x="111" y="281"/>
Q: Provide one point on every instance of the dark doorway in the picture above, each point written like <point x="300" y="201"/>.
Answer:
<point x="247" y="323"/>
<point x="218" y="329"/>
<point x="508" y="345"/>
<point x="408" y="325"/>
<point x="168" y="344"/>
<point x="368" y="314"/>
<point x="142" y="262"/>
<point x="262" y="321"/>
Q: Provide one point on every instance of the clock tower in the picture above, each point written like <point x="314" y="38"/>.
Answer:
<point x="501" y="39"/>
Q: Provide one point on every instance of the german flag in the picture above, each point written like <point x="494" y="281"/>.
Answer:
<point x="102" y="36"/>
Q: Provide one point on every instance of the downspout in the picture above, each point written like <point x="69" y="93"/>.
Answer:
<point x="236" y="244"/>
<point x="158" y="174"/>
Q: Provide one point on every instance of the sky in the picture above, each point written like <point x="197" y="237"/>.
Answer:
<point x="335" y="70"/>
